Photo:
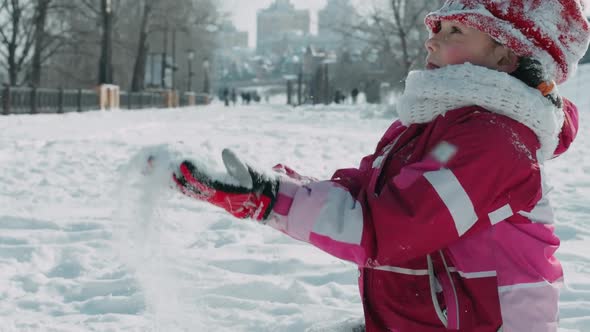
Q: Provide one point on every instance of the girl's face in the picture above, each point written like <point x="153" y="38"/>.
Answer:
<point x="456" y="44"/>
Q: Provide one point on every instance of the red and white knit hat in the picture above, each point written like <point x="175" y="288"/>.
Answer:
<point x="555" y="32"/>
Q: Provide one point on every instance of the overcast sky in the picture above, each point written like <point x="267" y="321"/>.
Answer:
<point x="243" y="12"/>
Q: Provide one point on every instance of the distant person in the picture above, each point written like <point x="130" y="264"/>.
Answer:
<point x="338" y="95"/>
<point x="226" y="96"/>
<point x="448" y="219"/>
<point x="233" y="97"/>
<point x="354" y="95"/>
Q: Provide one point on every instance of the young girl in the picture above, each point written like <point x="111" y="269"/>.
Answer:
<point x="448" y="220"/>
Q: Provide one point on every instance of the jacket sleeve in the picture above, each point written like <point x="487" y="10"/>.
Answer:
<point x="570" y="127"/>
<point x="477" y="175"/>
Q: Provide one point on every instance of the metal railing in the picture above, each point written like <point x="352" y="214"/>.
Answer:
<point x="202" y="99"/>
<point x="184" y="99"/>
<point x="30" y="100"/>
<point x="21" y="100"/>
<point x="140" y="100"/>
<point x="188" y="99"/>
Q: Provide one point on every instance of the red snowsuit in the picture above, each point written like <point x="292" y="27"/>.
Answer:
<point x="448" y="222"/>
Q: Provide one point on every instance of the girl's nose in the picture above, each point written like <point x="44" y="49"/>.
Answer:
<point x="431" y="44"/>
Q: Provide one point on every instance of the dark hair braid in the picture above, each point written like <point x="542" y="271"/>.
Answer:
<point x="531" y="72"/>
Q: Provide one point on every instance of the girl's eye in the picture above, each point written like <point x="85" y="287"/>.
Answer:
<point x="454" y="29"/>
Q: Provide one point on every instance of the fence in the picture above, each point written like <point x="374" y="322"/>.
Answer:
<point x="17" y="100"/>
<point x="140" y="100"/>
<point x="26" y="100"/>
<point x="191" y="98"/>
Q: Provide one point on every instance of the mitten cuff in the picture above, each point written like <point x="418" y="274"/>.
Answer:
<point x="287" y="190"/>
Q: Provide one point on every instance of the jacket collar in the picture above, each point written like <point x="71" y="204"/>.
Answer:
<point x="432" y="93"/>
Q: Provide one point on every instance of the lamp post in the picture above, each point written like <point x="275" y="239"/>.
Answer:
<point x="174" y="67"/>
<point x="164" y="59"/>
<point x="105" y="73"/>
<point x="152" y="72"/>
<point x="206" y="76"/>
<point x="190" y="55"/>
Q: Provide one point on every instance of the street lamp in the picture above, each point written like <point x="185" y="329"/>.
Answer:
<point x="190" y="56"/>
<point x="206" y="76"/>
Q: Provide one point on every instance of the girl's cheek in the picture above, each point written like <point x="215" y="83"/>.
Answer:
<point x="455" y="56"/>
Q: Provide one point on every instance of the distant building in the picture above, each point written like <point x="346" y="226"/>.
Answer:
<point x="334" y="22"/>
<point x="333" y="17"/>
<point x="230" y="37"/>
<point x="281" y="27"/>
<point x="230" y="60"/>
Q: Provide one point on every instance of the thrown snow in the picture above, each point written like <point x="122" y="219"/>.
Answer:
<point x="89" y="243"/>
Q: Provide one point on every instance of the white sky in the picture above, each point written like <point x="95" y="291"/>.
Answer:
<point x="244" y="12"/>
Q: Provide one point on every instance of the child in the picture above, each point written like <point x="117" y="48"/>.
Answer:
<point x="448" y="219"/>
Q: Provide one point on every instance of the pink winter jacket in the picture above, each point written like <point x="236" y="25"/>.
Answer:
<point x="447" y="221"/>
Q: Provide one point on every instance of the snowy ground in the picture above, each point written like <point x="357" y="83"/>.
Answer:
<point x="89" y="244"/>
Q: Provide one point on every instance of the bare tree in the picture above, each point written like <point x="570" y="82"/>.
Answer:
<point x="17" y="36"/>
<point x="40" y="20"/>
<point x="188" y="17"/>
<point x="408" y="27"/>
<point x="61" y="38"/>
<point x="142" y="47"/>
<point x="29" y="37"/>
<point x="77" y="60"/>
<point x="394" y="36"/>
<point x="48" y="37"/>
<point x="402" y="33"/>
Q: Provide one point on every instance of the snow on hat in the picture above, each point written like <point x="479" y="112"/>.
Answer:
<point x="555" y="32"/>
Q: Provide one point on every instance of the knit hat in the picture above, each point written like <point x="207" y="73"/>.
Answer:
<point x="555" y="32"/>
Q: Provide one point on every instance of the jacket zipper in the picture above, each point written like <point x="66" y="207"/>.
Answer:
<point x="453" y="289"/>
<point x="432" y="279"/>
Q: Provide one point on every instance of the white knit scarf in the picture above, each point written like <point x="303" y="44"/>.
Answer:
<point x="432" y="93"/>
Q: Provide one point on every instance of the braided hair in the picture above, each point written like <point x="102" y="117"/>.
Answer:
<point x="531" y="72"/>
